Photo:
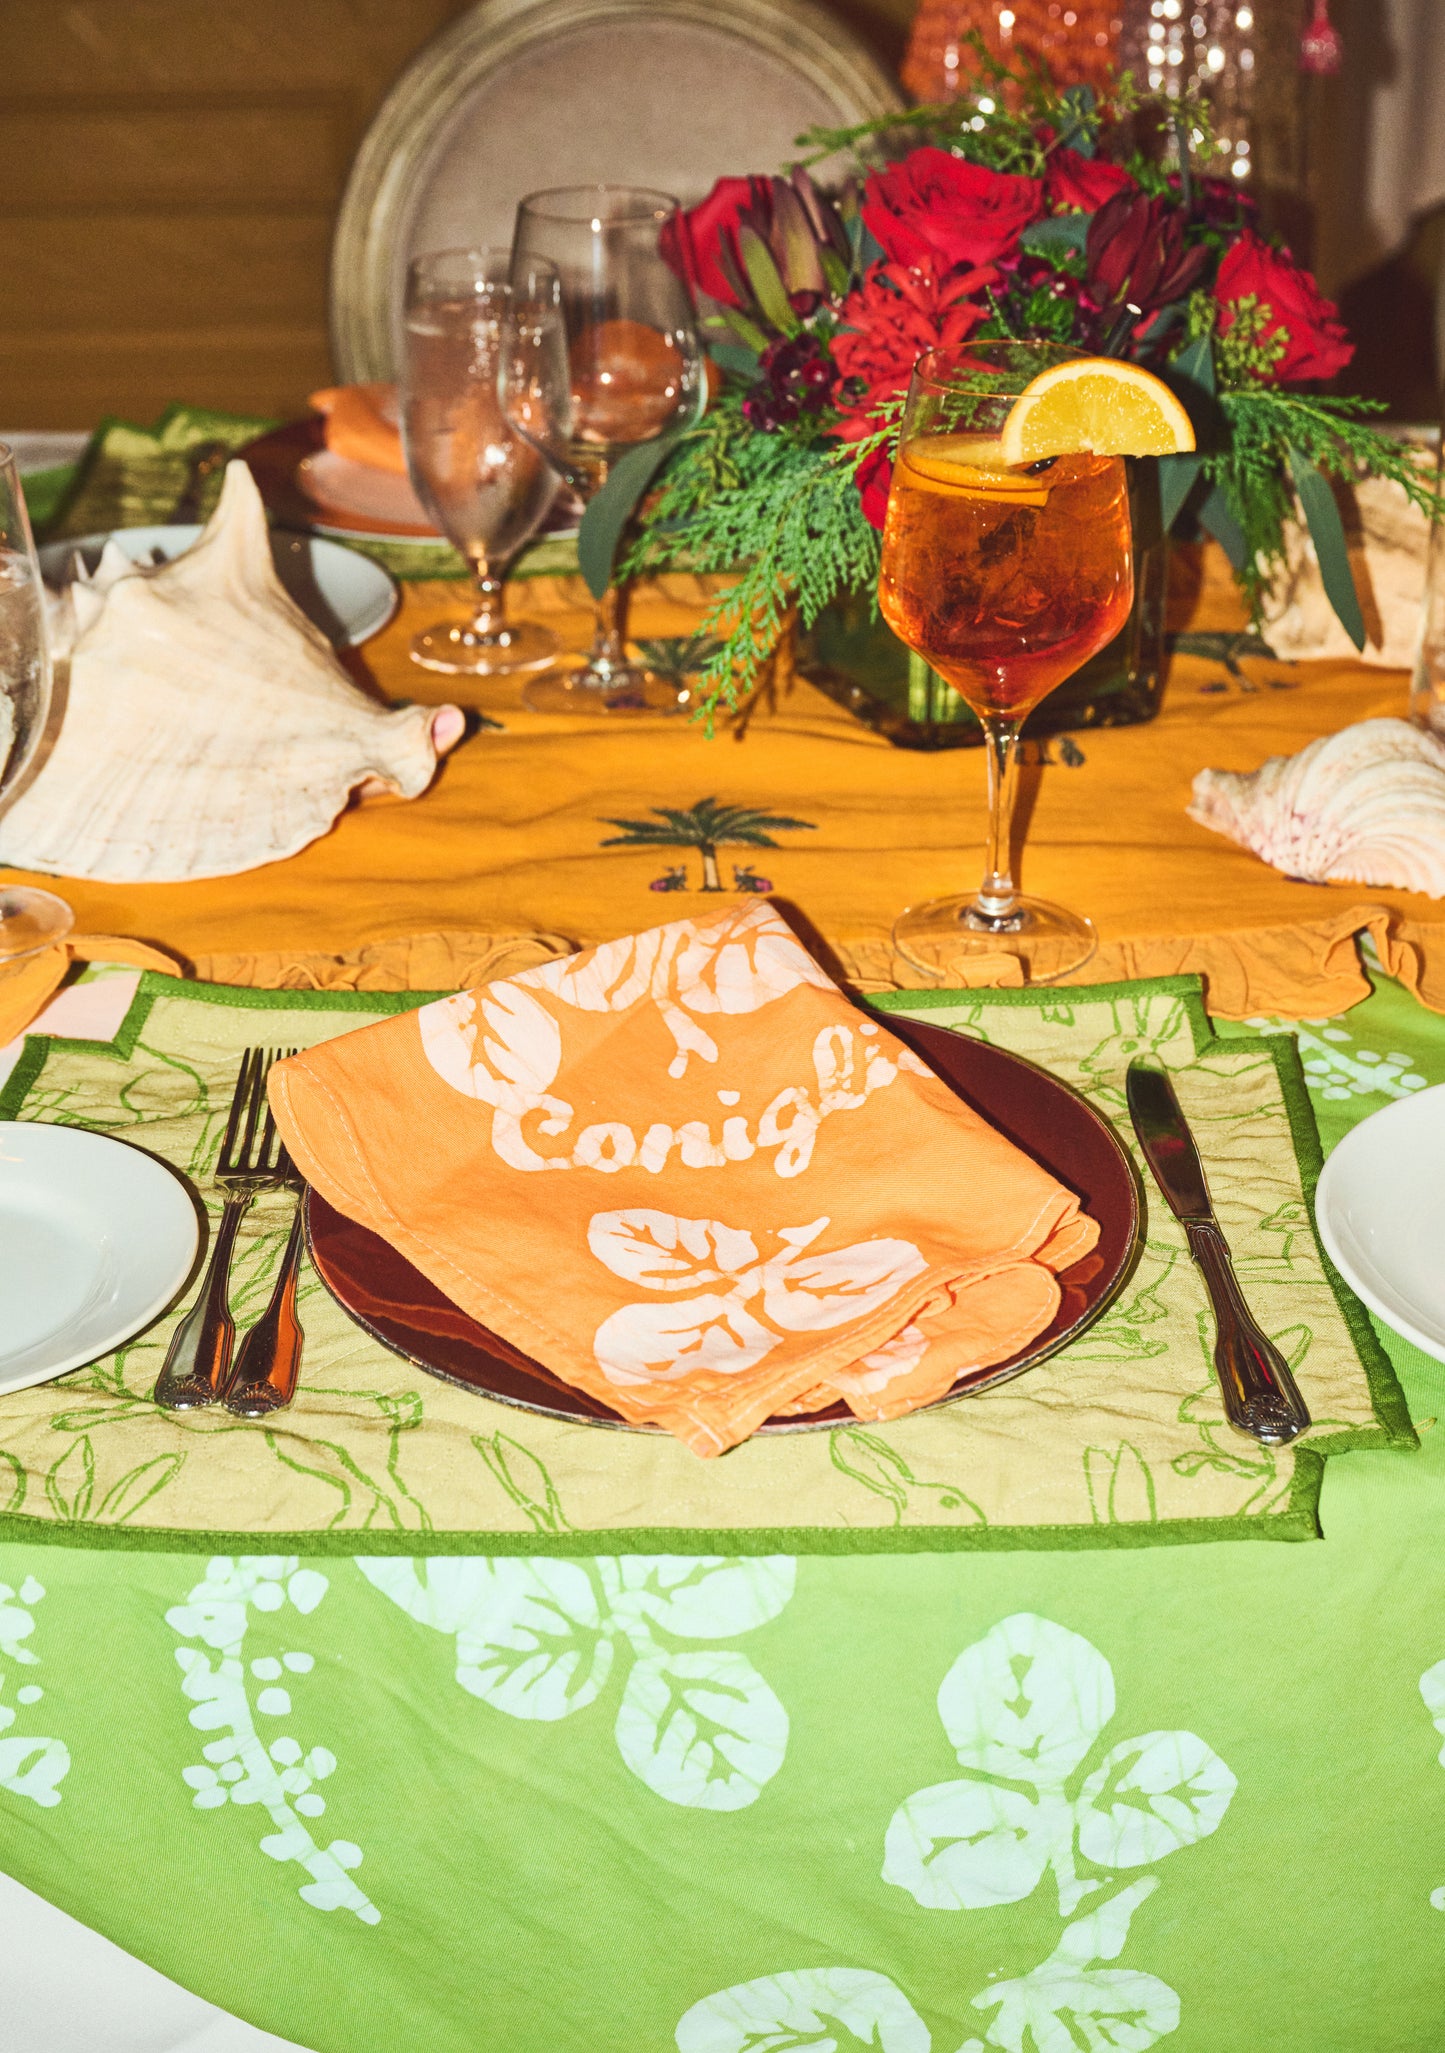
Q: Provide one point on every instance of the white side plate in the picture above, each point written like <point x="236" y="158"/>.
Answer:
<point x="96" y="1238"/>
<point x="1380" y="1208"/>
<point x="346" y="595"/>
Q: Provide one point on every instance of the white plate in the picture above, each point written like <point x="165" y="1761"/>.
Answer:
<point x="1380" y="1208"/>
<point x="96" y="1238"/>
<point x="346" y="595"/>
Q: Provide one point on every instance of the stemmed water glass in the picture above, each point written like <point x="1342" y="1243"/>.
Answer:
<point x="636" y="371"/>
<point x="30" y="920"/>
<point x="485" y="486"/>
<point x="1006" y="579"/>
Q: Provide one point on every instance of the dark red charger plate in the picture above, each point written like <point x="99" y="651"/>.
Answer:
<point x="396" y="1303"/>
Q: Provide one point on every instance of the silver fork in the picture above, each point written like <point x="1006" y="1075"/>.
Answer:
<point x="198" y="1361"/>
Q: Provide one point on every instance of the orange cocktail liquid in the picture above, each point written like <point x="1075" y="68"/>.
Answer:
<point x="1006" y="581"/>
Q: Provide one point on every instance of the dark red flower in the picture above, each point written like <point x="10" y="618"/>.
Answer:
<point x="794" y="378"/>
<point x="897" y="313"/>
<point x="1316" y="342"/>
<point x="701" y="246"/>
<point x="1137" y="256"/>
<point x="1081" y="185"/>
<point x="933" y="204"/>
<point x="873" y="477"/>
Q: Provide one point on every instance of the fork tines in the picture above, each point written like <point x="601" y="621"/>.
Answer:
<point x="251" y="1145"/>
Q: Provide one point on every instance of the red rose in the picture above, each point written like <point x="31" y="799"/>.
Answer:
<point x="873" y="477"/>
<point x="1081" y="185"/>
<point x="1316" y="343"/>
<point x="702" y="249"/>
<point x="888" y="322"/>
<point x="935" y="205"/>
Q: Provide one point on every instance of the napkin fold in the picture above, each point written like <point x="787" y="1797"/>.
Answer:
<point x="26" y="989"/>
<point x="361" y="424"/>
<point x="685" y="1173"/>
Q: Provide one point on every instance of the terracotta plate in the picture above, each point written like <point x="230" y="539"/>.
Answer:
<point x="393" y="1301"/>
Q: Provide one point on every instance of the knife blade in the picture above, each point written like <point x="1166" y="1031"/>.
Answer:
<point x="1260" y="1395"/>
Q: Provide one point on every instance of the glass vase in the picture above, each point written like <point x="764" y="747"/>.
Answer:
<point x="854" y="656"/>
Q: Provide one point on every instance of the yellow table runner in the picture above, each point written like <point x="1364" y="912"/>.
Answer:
<point x="511" y="841"/>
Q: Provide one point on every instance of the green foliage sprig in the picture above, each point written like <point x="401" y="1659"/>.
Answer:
<point x="779" y="506"/>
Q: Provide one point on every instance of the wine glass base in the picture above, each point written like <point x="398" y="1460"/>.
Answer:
<point x="459" y="651"/>
<point x="30" y="922"/>
<point x="946" y="938"/>
<point x="615" y="692"/>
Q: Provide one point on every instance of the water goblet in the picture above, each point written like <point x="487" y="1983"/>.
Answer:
<point x="1006" y="579"/>
<point x="485" y="486"/>
<point x="636" y="371"/>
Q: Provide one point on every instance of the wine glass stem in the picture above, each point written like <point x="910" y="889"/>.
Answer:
<point x="488" y="599"/>
<point x="608" y="651"/>
<point x="997" y="900"/>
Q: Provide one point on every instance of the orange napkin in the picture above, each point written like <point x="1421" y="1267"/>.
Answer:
<point x="361" y="424"/>
<point x="26" y="989"/>
<point x="683" y="1172"/>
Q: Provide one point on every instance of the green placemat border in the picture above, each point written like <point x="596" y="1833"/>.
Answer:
<point x="1300" y="1521"/>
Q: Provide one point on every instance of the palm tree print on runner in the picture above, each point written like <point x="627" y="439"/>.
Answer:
<point x="707" y="827"/>
<point x="244" y="1764"/>
<point x="539" y="1640"/>
<point x="30" y="1765"/>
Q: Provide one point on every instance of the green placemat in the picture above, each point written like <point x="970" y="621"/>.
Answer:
<point x="131" y="476"/>
<point x="1118" y="1440"/>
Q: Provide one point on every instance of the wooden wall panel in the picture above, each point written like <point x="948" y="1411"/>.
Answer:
<point x="169" y="174"/>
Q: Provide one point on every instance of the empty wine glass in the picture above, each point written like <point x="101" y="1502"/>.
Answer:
<point x="485" y="487"/>
<point x="30" y="920"/>
<point x="635" y="371"/>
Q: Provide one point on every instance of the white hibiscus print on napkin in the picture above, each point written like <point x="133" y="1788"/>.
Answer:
<point x="744" y="1305"/>
<point x="1023" y="1708"/>
<point x="686" y="970"/>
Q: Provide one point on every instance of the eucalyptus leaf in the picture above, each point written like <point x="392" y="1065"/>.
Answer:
<point x="1056" y="233"/>
<point x="731" y="356"/>
<point x="609" y="512"/>
<point x="1215" y="515"/>
<point x="1327" y="532"/>
<point x="766" y="281"/>
<point x="1177" y="478"/>
<point x="748" y="333"/>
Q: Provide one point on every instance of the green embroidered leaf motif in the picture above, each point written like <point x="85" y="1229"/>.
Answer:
<point x="137" y="1486"/>
<point x="973" y="1845"/>
<point x="701" y="1729"/>
<point x="826" y="2010"/>
<point x="525" y="1479"/>
<point x="700" y="1596"/>
<point x="1026" y="1701"/>
<point x="1121" y="1489"/>
<point x="12" y="1481"/>
<point x="70" y="1485"/>
<point x="1150" y="1797"/>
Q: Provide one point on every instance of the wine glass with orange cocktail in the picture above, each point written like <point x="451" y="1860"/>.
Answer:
<point x="1007" y="564"/>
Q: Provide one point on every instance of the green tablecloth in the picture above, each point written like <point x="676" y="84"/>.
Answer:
<point x="1028" y="1801"/>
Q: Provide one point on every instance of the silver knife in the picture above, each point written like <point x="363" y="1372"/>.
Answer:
<point x="1260" y="1395"/>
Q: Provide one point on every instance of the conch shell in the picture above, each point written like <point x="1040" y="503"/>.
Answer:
<point x="207" y="727"/>
<point x="1364" y="806"/>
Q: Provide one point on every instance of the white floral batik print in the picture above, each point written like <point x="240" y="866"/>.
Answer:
<point x="1025" y="1709"/>
<point x="1432" y="1691"/>
<point x="745" y="1305"/>
<point x="541" y="1639"/>
<point x="30" y="1765"/>
<point x="1025" y="1706"/>
<point x="253" y="1759"/>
